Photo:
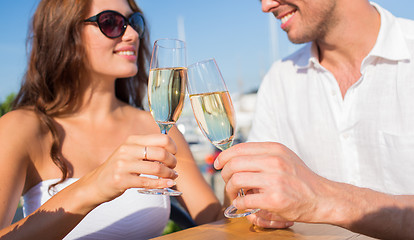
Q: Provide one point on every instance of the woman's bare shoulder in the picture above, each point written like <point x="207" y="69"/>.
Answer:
<point x="21" y="123"/>
<point x="137" y="112"/>
<point x="21" y="137"/>
<point x="143" y="120"/>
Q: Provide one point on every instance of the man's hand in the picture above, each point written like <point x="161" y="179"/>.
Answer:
<point x="266" y="219"/>
<point x="276" y="180"/>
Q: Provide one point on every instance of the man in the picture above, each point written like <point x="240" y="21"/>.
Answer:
<point x="333" y="136"/>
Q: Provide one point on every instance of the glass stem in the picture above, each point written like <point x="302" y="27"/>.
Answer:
<point x="165" y="127"/>
<point x="241" y="192"/>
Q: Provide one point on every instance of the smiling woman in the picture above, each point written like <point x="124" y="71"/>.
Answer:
<point x="78" y="143"/>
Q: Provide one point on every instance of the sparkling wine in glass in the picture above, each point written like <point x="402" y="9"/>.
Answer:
<point x="214" y="112"/>
<point x="166" y="90"/>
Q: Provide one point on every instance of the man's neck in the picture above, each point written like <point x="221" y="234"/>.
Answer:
<point x="343" y="49"/>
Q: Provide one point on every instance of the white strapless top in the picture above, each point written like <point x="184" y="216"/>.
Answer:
<point x="130" y="216"/>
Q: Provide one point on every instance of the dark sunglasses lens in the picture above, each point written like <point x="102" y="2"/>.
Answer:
<point x="112" y="24"/>
<point x="137" y="22"/>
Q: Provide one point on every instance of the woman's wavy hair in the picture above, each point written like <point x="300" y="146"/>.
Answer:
<point x="58" y="62"/>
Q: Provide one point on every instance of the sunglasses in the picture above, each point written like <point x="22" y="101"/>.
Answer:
<point x="113" y="24"/>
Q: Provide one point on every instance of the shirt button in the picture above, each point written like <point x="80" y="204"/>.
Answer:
<point x="333" y="93"/>
<point x="346" y="135"/>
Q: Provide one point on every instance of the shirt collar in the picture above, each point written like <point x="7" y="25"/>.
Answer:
<point x="310" y="56"/>
<point x="390" y="43"/>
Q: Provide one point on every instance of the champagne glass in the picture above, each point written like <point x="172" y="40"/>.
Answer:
<point x="166" y="90"/>
<point x="214" y="112"/>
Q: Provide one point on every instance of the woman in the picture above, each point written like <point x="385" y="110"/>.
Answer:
<point x="79" y="137"/>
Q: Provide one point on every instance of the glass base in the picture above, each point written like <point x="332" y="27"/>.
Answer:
<point x="232" y="212"/>
<point x="162" y="191"/>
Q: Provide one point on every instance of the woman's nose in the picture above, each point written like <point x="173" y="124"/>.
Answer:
<point x="130" y="33"/>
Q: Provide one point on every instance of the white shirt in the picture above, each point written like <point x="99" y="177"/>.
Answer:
<point x="365" y="139"/>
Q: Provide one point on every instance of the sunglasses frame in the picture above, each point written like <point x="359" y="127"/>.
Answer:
<point x="124" y="27"/>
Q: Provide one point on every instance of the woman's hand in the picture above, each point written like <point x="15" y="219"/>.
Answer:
<point x="149" y="154"/>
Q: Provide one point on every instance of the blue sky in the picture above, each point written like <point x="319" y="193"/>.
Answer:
<point x="235" y="32"/>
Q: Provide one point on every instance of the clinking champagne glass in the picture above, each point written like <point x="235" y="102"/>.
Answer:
<point x="166" y="90"/>
<point x="214" y="112"/>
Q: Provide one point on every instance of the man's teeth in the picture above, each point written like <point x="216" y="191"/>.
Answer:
<point x="128" y="53"/>
<point x="287" y="17"/>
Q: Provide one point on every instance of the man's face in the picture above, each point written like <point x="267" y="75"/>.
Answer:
<point x="303" y="20"/>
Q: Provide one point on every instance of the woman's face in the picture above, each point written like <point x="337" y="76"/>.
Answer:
<point x="115" y="58"/>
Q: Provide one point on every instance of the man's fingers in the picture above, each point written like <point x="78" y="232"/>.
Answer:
<point x="247" y="181"/>
<point x="249" y="201"/>
<point x="247" y="149"/>
<point x="244" y="164"/>
<point x="269" y="223"/>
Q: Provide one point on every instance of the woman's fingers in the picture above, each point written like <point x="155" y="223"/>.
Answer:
<point x="153" y="168"/>
<point x="150" y="183"/>
<point x="139" y="156"/>
<point x="161" y="155"/>
<point x="153" y="140"/>
<point x="120" y="184"/>
<point x="148" y="153"/>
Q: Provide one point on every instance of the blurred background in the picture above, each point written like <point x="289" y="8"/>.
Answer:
<point x="243" y="40"/>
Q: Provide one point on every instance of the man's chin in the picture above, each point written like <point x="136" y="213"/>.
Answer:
<point x="296" y="38"/>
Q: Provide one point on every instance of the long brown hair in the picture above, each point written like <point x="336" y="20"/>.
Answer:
<point x="57" y="64"/>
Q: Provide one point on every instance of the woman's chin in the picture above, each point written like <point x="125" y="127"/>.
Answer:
<point x="128" y="74"/>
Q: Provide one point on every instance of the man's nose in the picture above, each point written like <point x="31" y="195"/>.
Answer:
<point x="269" y="5"/>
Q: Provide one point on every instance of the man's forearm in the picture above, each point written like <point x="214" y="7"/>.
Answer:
<point x="373" y="213"/>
